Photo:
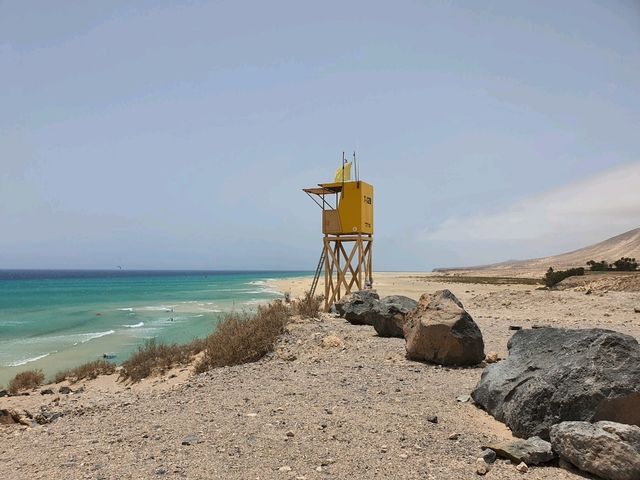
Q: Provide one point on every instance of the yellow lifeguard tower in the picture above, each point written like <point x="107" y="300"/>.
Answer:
<point x="347" y="225"/>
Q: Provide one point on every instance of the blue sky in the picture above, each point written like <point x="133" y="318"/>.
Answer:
<point x="179" y="134"/>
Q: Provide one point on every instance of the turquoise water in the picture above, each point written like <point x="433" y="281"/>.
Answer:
<point x="59" y="319"/>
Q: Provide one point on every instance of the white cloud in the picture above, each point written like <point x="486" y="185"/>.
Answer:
<point x="605" y="204"/>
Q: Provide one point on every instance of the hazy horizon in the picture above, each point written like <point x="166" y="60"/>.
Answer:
<point x="161" y="136"/>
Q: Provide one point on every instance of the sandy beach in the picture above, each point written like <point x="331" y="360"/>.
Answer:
<point x="333" y="401"/>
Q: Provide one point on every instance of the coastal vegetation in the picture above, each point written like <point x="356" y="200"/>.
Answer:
<point x="86" y="371"/>
<point x="308" y="306"/>
<point x="26" y="381"/>
<point x="155" y="358"/>
<point x="624" y="264"/>
<point x="242" y="338"/>
<point x="238" y="338"/>
<point x="552" y="277"/>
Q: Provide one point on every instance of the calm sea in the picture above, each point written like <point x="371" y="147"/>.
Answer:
<point x="54" y="320"/>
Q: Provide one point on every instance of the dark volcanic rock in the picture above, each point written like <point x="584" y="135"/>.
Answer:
<point x="391" y="315"/>
<point x="65" y="390"/>
<point x="553" y="375"/>
<point x="608" y="449"/>
<point x="359" y="307"/>
<point x="439" y="330"/>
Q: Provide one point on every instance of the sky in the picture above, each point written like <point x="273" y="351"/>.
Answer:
<point x="177" y="135"/>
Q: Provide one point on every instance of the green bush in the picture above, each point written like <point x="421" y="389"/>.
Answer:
<point x="553" y="278"/>
<point x="626" y="264"/>
<point x="601" y="266"/>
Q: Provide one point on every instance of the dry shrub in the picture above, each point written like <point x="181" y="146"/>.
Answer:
<point x="309" y="306"/>
<point x="155" y="358"/>
<point x="87" y="371"/>
<point x="26" y="381"/>
<point x="243" y="338"/>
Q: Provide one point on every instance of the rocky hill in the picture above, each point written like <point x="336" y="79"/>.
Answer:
<point x="624" y="245"/>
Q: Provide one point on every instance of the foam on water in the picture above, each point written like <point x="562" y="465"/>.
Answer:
<point x="137" y="325"/>
<point x="24" y="361"/>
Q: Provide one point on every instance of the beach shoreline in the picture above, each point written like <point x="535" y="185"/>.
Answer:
<point x="333" y="398"/>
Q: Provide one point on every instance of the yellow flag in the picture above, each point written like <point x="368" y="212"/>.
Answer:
<point x="343" y="174"/>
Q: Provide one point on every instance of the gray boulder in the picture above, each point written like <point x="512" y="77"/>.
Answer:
<point x="439" y="330"/>
<point x="359" y="307"/>
<point x="553" y="375"/>
<point x="391" y="315"/>
<point x="532" y="451"/>
<point x="607" y="449"/>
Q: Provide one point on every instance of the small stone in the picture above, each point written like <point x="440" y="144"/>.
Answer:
<point x="454" y="436"/>
<point x="489" y="455"/>
<point x="432" y="418"/>
<point x="290" y="434"/>
<point x="46" y="391"/>
<point x="515" y="327"/>
<point x="318" y="469"/>
<point x="482" y="468"/>
<point x="403" y="456"/>
<point x="65" y="390"/>
<point x="463" y="398"/>
<point x="190" y="440"/>
<point x="285" y="468"/>
<point x="383" y="449"/>
<point x="492" y="357"/>
<point x="522" y="467"/>
<point x="636" y="310"/>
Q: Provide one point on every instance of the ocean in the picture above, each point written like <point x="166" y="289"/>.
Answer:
<point x="54" y="320"/>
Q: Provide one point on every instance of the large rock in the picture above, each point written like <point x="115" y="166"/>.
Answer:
<point x="391" y="315"/>
<point x="439" y="330"/>
<point x="553" y="375"/>
<point x="532" y="451"/>
<point x="359" y="307"/>
<point x="608" y="449"/>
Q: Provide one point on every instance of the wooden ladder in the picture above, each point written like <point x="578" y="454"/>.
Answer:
<point x="316" y="277"/>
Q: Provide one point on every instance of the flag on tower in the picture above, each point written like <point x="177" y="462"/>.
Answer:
<point x="343" y="174"/>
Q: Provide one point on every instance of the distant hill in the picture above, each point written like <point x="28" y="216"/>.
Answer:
<point x="624" y="245"/>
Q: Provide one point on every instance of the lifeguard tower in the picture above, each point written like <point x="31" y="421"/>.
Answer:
<point x="347" y="225"/>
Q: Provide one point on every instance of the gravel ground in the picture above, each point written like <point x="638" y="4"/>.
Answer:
<point x="334" y="401"/>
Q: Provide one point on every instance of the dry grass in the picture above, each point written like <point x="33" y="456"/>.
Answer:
<point x="154" y="358"/>
<point x="308" y="306"/>
<point x="243" y="338"/>
<point x="26" y="381"/>
<point x="87" y="371"/>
